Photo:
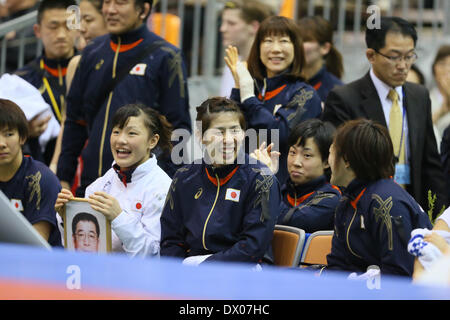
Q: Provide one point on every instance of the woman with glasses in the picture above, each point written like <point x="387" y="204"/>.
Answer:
<point x="222" y="208"/>
<point x="271" y="92"/>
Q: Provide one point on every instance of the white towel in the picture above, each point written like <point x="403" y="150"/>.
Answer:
<point x="427" y="252"/>
<point x="30" y="100"/>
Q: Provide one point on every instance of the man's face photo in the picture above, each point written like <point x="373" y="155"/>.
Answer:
<point x="86" y="237"/>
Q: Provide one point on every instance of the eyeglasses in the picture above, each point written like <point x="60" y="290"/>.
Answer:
<point x="410" y="58"/>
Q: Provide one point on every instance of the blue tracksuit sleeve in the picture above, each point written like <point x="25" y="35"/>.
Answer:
<point x="172" y="228"/>
<point x="262" y="208"/>
<point x="174" y="96"/>
<point x="304" y="103"/>
<point x="75" y="131"/>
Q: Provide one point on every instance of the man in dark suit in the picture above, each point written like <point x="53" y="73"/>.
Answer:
<point x="383" y="95"/>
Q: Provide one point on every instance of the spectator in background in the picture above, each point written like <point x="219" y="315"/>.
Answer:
<point x="13" y="9"/>
<point x="415" y="75"/>
<point x="384" y="96"/>
<point x="92" y="25"/>
<point x="131" y="65"/>
<point x="30" y="186"/>
<point x="271" y="92"/>
<point x="323" y="62"/>
<point x="374" y="220"/>
<point x="47" y="72"/>
<point x="240" y="21"/>
<point x="440" y="95"/>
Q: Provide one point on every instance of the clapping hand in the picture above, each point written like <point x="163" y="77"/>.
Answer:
<point x="267" y="156"/>
<point x="231" y="60"/>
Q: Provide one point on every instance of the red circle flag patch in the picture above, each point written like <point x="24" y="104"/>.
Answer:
<point x="232" y="194"/>
<point x="138" y="205"/>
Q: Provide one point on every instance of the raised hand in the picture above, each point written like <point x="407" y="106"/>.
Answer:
<point x="231" y="59"/>
<point x="267" y="156"/>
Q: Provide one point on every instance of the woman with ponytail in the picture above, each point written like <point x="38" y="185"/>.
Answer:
<point x="132" y="193"/>
<point x="323" y="68"/>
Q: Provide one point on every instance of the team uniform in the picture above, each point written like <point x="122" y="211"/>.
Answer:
<point x="228" y="213"/>
<point x="141" y="194"/>
<point x="33" y="191"/>
<point x="49" y="77"/>
<point x="309" y="206"/>
<point x="280" y="103"/>
<point x="158" y="81"/>
<point x="373" y="224"/>
<point x="323" y="81"/>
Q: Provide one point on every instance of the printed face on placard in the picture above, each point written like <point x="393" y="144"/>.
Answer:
<point x="85" y="229"/>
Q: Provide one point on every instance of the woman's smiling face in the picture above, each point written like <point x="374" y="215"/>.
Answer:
<point x="276" y="53"/>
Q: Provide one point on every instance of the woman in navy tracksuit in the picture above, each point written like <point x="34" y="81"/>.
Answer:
<point x="309" y="200"/>
<point x="374" y="220"/>
<point x="324" y="67"/>
<point x="223" y="208"/>
<point x="271" y="92"/>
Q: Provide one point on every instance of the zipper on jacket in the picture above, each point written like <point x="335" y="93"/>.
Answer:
<point x="348" y="233"/>
<point x="108" y="105"/>
<point x="209" y="215"/>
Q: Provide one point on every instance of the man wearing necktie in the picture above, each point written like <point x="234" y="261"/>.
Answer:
<point x="383" y="95"/>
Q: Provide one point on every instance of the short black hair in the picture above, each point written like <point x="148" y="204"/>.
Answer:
<point x="155" y="122"/>
<point x="12" y="117"/>
<point x="376" y="37"/>
<point x="140" y="3"/>
<point x="321" y="132"/>
<point x="214" y="105"/>
<point x="53" y="4"/>
<point x="84" y="216"/>
<point x="367" y="146"/>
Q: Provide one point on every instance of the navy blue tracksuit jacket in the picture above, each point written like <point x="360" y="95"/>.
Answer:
<point x="229" y="212"/>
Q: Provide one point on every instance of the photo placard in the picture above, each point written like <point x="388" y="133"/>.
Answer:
<point x="85" y="229"/>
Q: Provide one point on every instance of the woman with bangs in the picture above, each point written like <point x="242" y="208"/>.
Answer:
<point x="224" y="207"/>
<point x="271" y="91"/>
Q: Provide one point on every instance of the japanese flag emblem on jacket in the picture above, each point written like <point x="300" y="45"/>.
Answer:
<point x="17" y="204"/>
<point x="139" y="69"/>
<point x="232" y="194"/>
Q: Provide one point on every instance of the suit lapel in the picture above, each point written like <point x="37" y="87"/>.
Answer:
<point x="370" y="102"/>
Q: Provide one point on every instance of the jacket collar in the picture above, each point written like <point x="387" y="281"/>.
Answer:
<point x="355" y="190"/>
<point x="53" y="64"/>
<point x="132" y="36"/>
<point x="318" y="76"/>
<point x="302" y="189"/>
<point x="224" y="173"/>
<point x="134" y="174"/>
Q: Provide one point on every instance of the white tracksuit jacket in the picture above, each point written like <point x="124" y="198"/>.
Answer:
<point x="137" y="229"/>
